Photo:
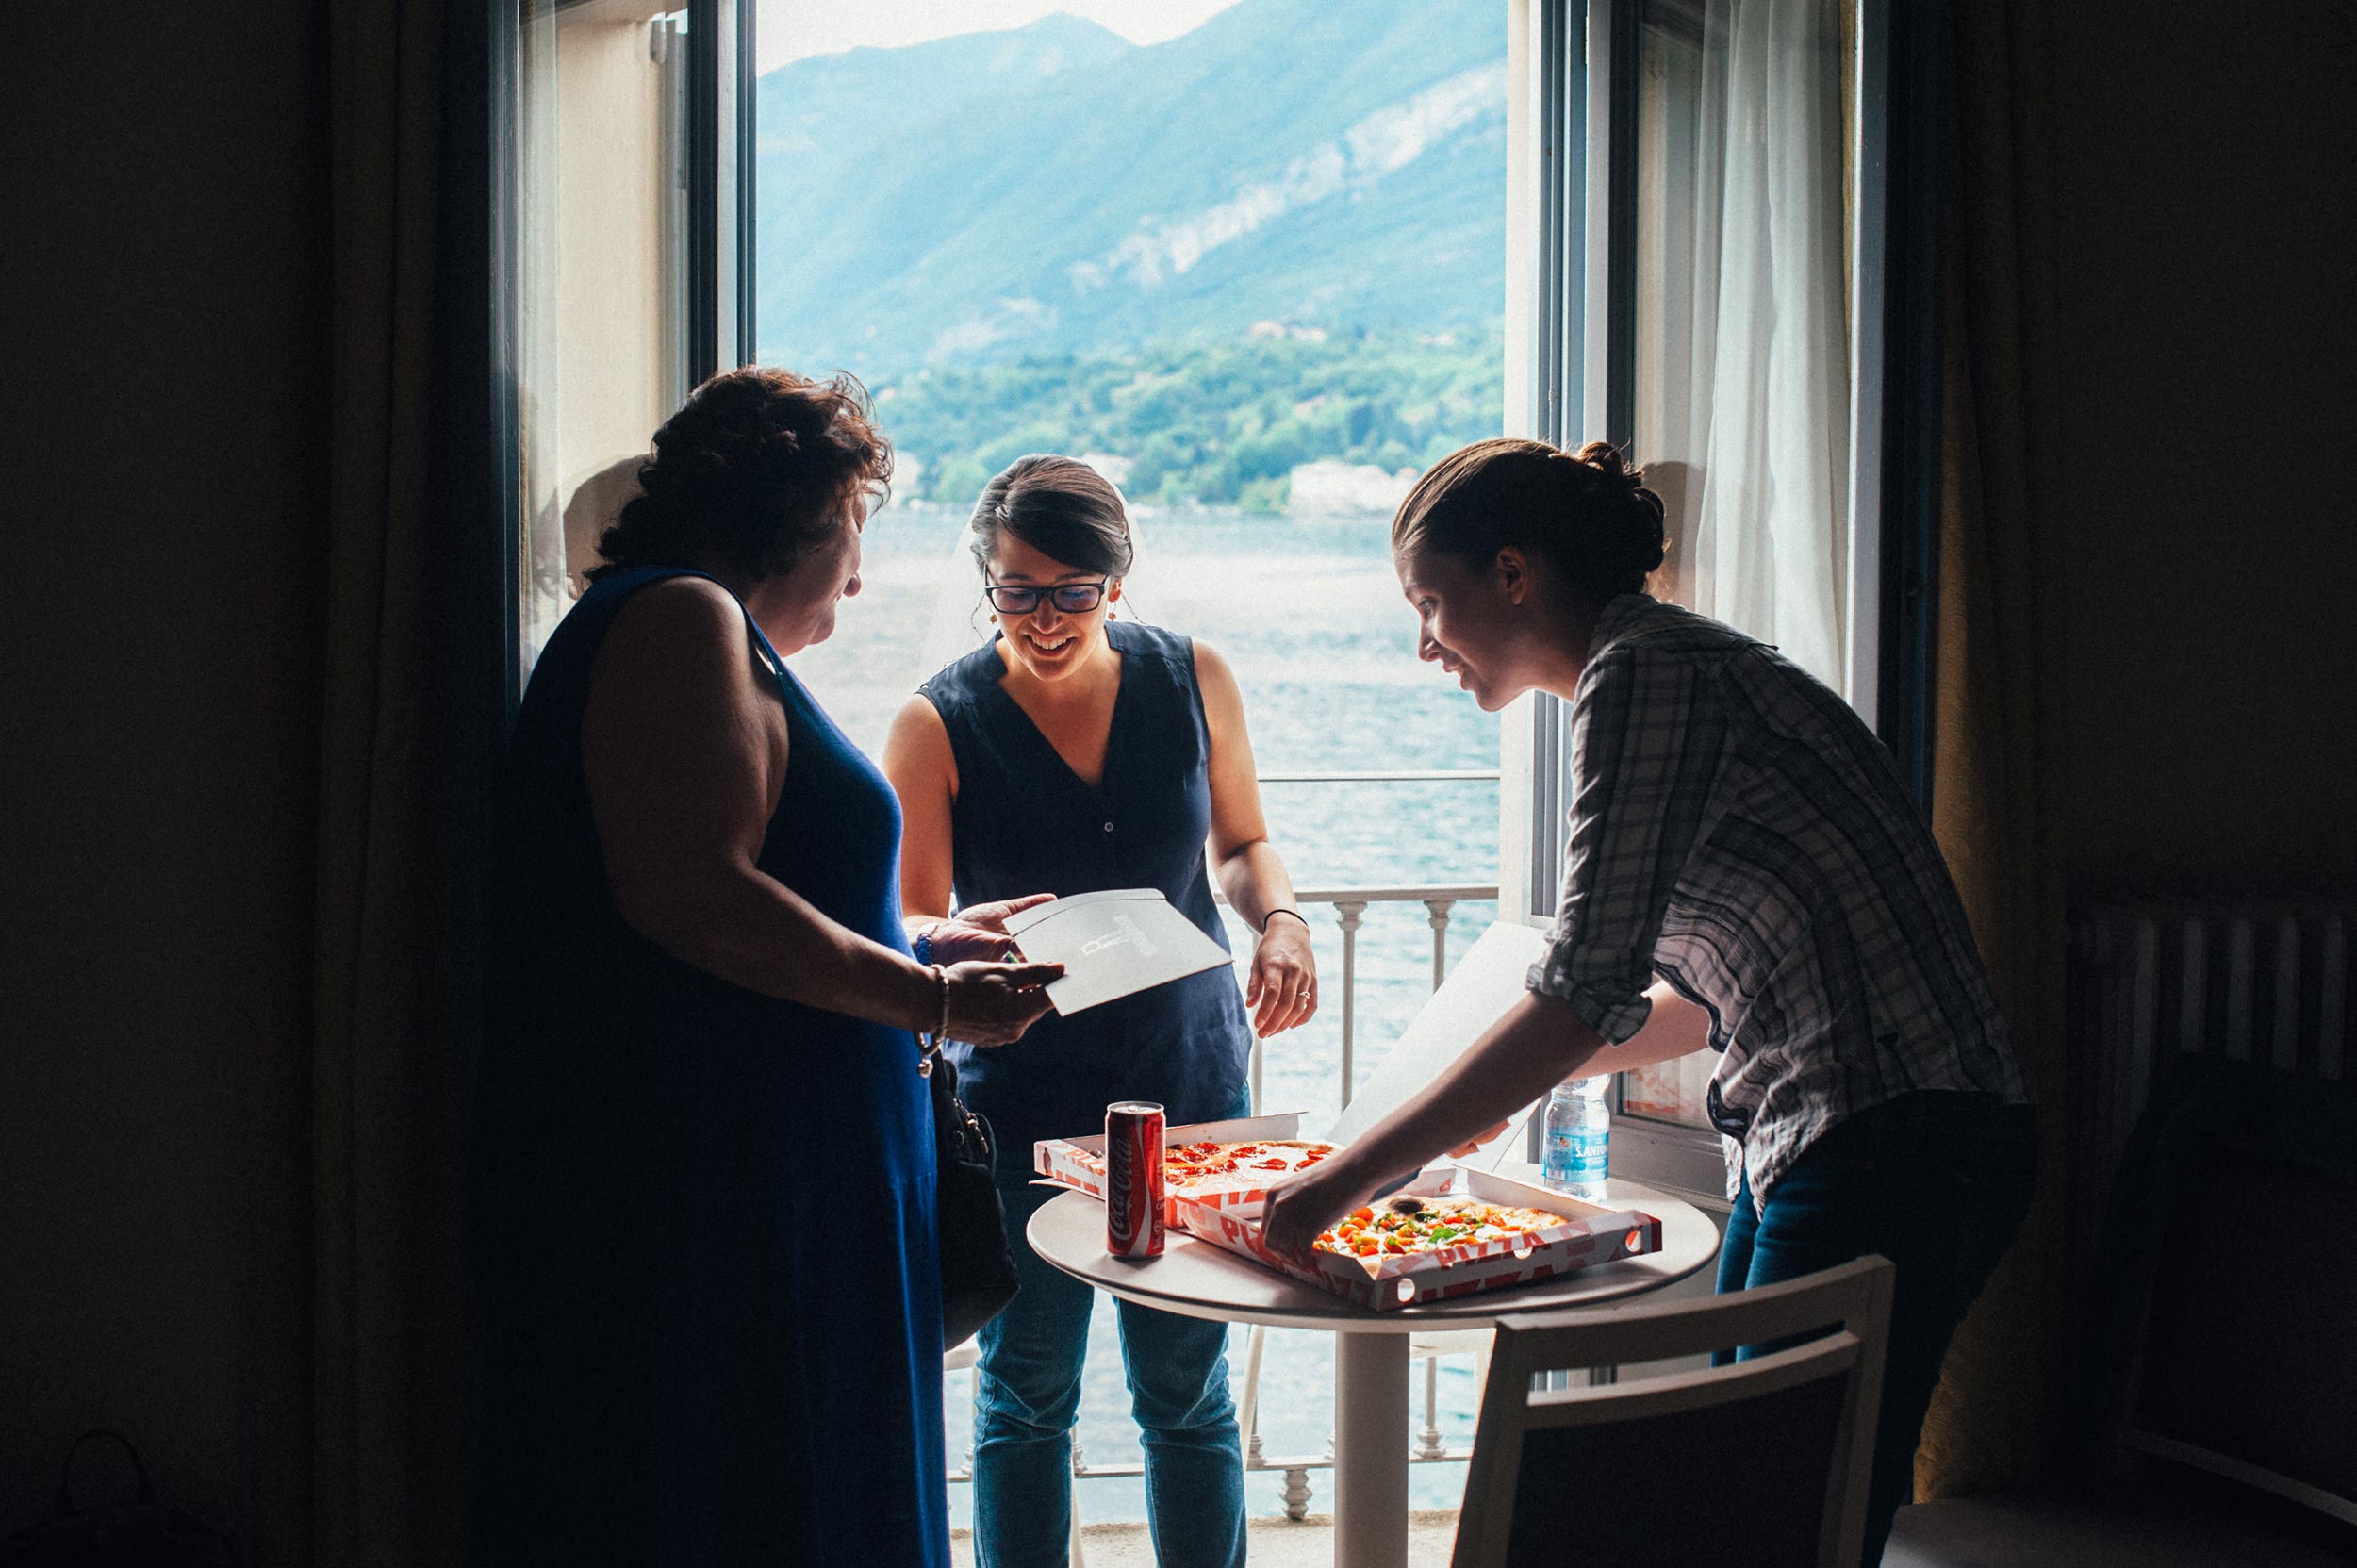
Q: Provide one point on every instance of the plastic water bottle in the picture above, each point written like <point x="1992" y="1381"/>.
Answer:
<point x="1578" y="1138"/>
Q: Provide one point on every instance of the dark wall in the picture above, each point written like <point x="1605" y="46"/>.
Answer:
<point x="2202" y="166"/>
<point x="164" y="279"/>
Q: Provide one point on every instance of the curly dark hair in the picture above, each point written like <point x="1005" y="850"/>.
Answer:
<point x="1588" y="513"/>
<point x="754" y="468"/>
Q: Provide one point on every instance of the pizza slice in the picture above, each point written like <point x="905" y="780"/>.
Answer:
<point x="1210" y="1167"/>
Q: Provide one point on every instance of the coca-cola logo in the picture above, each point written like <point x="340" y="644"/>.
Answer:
<point x="1117" y="1192"/>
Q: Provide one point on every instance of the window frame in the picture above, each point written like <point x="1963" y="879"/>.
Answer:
<point x="1572" y="72"/>
<point x="711" y="327"/>
<point x="720" y="143"/>
<point x="1572" y="212"/>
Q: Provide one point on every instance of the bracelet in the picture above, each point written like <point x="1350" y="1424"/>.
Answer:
<point x="941" y="984"/>
<point x="923" y="946"/>
<point x="1287" y="909"/>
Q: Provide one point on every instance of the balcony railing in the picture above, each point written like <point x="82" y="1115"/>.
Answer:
<point x="1350" y="904"/>
<point x="1350" y="907"/>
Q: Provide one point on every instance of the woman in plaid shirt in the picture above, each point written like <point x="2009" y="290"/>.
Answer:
<point x="1745" y="874"/>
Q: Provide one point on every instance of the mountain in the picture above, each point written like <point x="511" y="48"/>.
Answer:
<point x="1330" y="165"/>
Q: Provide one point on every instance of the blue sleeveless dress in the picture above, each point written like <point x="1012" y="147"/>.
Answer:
<point x="1024" y="822"/>
<point x="703" y="1218"/>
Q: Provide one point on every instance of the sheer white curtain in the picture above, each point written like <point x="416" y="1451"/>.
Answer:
<point x="1742" y="337"/>
<point x="1742" y="328"/>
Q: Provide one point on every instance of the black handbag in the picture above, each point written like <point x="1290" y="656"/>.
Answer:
<point x="137" y="1533"/>
<point x="976" y="1273"/>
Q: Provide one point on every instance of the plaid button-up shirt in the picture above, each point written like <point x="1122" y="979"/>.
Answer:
<point x="1739" y="832"/>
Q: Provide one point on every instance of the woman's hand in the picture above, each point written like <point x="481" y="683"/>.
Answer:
<point x="1283" y="990"/>
<point x="1304" y="1204"/>
<point x="980" y="930"/>
<point x="992" y="1004"/>
<point x="1475" y="1146"/>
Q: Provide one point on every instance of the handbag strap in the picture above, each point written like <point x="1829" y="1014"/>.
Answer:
<point x="66" y="1505"/>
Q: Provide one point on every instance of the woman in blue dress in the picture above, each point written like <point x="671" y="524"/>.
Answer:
<point x="702" y="1179"/>
<point x="1075" y="752"/>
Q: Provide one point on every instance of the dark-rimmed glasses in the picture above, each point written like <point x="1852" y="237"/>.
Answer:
<point x="1070" y="598"/>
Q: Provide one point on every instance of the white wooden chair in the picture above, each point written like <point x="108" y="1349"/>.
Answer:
<point x="1763" y="1462"/>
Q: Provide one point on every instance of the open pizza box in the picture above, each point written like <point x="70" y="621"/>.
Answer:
<point x="1589" y="1235"/>
<point x="1079" y="1163"/>
<point x="1487" y="980"/>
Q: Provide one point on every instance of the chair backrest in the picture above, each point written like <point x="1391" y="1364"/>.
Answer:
<point x="2232" y="1259"/>
<point x="1781" y="1444"/>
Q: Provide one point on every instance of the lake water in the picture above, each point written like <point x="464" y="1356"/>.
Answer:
<point x="1307" y="611"/>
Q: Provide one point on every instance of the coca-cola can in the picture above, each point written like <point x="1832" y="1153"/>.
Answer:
<point x="1133" y="1179"/>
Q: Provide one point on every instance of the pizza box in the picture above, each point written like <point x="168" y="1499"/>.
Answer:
<point x="1589" y="1235"/>
<point x="1079" y="1163"/>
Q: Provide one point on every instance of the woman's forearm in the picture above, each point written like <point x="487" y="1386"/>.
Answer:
<point x="1674" y="1028"/>
<point x="751" y="929"/>
<point x="1254" y="878"/>
<point x="1538" y="1043"/>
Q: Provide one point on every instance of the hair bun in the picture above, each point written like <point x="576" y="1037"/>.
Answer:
<point x="1603" y="456"/>
<point x="1588" y="511"/>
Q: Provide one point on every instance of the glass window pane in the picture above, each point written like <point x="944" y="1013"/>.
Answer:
<point x="1742" y="370"/>
<point x="1742" y="373"/>
<point x="1249" y="261"/>
<point x="602" y="286"/>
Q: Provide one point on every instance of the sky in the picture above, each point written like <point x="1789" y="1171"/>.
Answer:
<point x="788" y="29"/>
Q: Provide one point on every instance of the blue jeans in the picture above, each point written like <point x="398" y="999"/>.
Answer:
<point x="1936" y="1182"/>
<point x="1027" y="1394"/>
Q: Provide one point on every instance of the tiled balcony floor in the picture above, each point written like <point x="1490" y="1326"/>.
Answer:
<point x="1268" y="1542"/>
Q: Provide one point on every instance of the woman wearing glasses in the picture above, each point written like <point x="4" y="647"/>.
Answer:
<point x="1077" y="751"/>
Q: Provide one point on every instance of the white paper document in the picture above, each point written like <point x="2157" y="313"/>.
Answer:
<point x="1113" y="944"/>
<point x="1486" y="981"/>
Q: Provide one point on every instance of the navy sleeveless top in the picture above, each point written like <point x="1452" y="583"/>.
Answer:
<point x="1024" y="822"/>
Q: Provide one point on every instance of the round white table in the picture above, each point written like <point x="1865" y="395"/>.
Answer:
<point x="1194" y="1279"/>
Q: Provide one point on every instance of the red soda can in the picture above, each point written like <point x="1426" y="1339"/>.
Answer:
<point x="1133" y="1179"/>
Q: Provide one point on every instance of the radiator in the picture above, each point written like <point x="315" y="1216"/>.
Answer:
<point x="2248" y="981"/>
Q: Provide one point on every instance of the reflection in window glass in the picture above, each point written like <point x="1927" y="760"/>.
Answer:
<point x="602" y="262"/>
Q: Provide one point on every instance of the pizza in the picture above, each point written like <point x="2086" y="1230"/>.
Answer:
<point x="1198" y="1168"/>
<point x="1408" y="1223"/>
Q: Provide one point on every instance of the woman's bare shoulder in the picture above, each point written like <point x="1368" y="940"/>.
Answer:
<point x="1216" y="680"/>
<point x="682" y="641"/>
<point x="919" y="719"/>
<point x="1210" y="664"/>
<point x="686" y="605"/>
<point x="917" y="748"/>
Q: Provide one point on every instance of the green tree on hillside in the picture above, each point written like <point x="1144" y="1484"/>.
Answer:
<point x="1220" y="423"/>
